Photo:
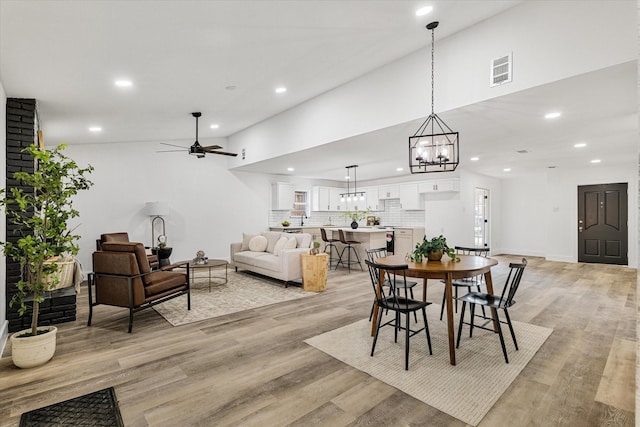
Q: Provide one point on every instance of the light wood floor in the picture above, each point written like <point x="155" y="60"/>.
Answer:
<point x="253" y="368"/>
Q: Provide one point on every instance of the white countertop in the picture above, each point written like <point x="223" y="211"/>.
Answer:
<point x="361" y="229"/>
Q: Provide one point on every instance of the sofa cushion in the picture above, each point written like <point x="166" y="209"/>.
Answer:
<point x="258" y="244"/>
<point x="272" y="239"/>
<point x="292" y="243"/>
<point x="280" y="244"/>
<point x="246" y="238"/>
<point x="258" y="259"/>
<point x="304" y="240"/>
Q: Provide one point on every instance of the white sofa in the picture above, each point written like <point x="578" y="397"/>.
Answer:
<point x="274" y="261"/>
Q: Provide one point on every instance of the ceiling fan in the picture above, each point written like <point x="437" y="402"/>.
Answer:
<point x="196" y="149"/>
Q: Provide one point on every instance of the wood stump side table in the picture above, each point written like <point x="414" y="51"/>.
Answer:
<point x="314" y="272"/>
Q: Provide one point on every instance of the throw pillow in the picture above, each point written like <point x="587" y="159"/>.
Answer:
<point x="272" y="239"/>
<point x="279" y="245"/>
<point x="292" y="243"/>
<point x="246" y="237"/>
<point x="258" y="244"/>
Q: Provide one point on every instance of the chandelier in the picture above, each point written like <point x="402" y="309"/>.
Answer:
<point x="434" y="146"/>
<point x="351" y="195"/>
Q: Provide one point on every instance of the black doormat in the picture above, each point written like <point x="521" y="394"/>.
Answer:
<point x="99" y="409"/>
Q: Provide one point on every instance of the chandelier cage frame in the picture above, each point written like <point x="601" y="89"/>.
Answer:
<point x="434" y="147"/>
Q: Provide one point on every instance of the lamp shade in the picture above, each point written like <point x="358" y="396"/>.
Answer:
<point x="156" y="209"/>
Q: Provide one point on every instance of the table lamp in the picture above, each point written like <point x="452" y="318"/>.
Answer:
<point x="157" y="210"/>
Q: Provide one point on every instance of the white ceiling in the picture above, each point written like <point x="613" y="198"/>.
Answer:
<point x="181" y="56"/>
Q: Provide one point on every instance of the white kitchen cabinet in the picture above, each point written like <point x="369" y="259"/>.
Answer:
<point x="320" y="199"/>
<point x="409" y="197"/>
<point x="439" y="185"/>
<point x="389" y="191"/>
<point x="335" y="203"/>
<point x="372" y="202"/>
<point x="282" y="196"/>
<point x="405" y="239"/>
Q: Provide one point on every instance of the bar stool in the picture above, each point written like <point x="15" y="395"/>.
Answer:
<point x="330" y="243"/>
<point x="348" y="246"/>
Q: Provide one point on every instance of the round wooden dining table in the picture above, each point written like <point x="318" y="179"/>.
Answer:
<point x="446" y="270"/>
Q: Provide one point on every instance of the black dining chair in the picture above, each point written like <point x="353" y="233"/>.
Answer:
<point x="494" y="302"/>
<point x="467" y="282"/>
<point x="373" y="255"/>
<point x="398" y="304"/>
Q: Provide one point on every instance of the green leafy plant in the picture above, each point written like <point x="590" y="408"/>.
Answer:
<point x="436" y="244"/>
<point x="42" y="216"/>
<point x="356" y="215"/>
<point x="285" y="223"/>
<point x="316" y="244"/>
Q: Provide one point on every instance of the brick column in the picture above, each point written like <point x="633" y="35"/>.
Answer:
<point x="60" y="305"/>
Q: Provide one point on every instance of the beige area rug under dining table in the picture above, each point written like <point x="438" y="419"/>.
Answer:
<point x="466" y="391"/>
<point x="242" y="291"/>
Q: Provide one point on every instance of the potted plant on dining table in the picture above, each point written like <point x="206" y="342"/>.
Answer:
<point x="433" y="249"/>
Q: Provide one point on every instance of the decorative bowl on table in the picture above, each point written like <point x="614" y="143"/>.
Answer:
<point x="285" y="223"/>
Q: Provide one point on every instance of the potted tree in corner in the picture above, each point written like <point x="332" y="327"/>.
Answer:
<point x="41" y="216"/>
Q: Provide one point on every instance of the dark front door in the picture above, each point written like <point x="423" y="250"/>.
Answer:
<point x="602" y="223"/>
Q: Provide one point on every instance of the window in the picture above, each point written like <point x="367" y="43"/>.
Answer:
<point x="300" y="204"/>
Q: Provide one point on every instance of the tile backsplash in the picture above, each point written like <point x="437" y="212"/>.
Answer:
<point x="390" y="215"/>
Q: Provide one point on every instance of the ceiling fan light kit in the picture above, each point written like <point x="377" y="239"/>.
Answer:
<point x="434" y="147"/>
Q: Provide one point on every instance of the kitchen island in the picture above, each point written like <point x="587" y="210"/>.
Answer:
<point x="369" y="238"/>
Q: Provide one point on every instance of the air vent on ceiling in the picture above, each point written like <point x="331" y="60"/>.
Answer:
<point x="501" y="70"/>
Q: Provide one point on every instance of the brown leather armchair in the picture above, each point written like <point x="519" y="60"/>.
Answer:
<point x="123" y="236"/>
<point x="122" y="277"/>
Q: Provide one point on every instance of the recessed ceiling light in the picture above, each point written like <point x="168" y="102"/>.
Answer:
<point x="551" y="167"/>
<point x="95" y="129"/>
<point x="580" y="145"/>
<point x="281" y="89"/>
<point x="474" y="159"/>
<point x="214" y="126"/>
<point x="424" y="10"/>
<point x="290" y="169"/>
<point x="507" y="169"/>
<point x="596" y="161"/>
<point x="231" y="87"/>
<point x="399" y="169"/>
<point x="552" y="115"/>
<point x="124" y="83"/>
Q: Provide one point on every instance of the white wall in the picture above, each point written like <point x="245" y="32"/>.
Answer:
<point x="539" y="213"/>
<point x="4" y="324"/>
<point x="209" y="205"/>
<point x="538" y="33"/>
<point x="452" y="214"/>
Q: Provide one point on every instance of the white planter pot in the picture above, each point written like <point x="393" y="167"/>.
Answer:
<point x="28" y="352"/>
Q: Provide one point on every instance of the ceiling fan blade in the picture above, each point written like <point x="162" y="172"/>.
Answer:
<point x="224" y="153"/>
<point x="211" y="147"/>
<point x="169" y="151"/>
<point x="173" y="145"/>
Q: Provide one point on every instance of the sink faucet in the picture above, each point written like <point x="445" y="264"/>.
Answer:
<point x="302" y="217"/>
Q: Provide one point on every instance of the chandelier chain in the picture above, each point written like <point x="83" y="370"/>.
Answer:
<point x="432" y="68"/>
